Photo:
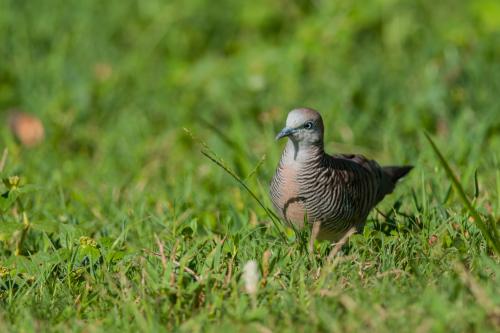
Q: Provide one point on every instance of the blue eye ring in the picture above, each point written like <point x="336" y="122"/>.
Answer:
<point x="308" y="125"/>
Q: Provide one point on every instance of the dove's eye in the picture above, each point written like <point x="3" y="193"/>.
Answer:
<point x="308" y="125"/>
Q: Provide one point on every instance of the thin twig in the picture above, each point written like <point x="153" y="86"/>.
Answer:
<point x="162" y="253"/>
<point x="479" y="294"/>
<point x="178" y="265"/>
<point x="482" y="298"/>
<point x="314" y="235"/>
<point x="172" y="258"/>
<point x="340" y="243"/>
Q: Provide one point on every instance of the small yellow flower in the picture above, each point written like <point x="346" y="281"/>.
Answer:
<point x="87" y="241"/>
<point x="4" y="272"/>
<point x="12" y="182"/>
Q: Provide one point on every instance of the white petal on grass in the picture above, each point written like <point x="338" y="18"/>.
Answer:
<point x="251" y="277"/>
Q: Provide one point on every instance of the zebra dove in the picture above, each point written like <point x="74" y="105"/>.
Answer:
<point x="337" y="191"/>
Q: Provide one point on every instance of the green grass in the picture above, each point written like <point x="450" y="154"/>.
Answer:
<point x="121" y="223"/>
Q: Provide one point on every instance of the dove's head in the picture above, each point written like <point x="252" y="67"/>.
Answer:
<point x="304" y="127"/>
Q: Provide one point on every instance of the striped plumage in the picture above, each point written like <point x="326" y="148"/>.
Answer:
<point x="337" y="191"/>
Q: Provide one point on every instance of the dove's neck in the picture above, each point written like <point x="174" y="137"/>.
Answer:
<point x="300" y="152"/>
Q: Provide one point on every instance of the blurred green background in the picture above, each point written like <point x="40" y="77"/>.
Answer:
<point x="115" y="83"/>
<point x="377" y="70"/>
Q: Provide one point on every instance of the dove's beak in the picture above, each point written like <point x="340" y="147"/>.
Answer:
<point x="285" y="132"/>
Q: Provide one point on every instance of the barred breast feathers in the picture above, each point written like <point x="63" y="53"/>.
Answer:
<point x="337" y="191"/>
<point x="284" y="190"/>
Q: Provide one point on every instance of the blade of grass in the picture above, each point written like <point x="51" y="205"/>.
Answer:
<point x="254" y="171"/>
<point x="269" y="213"/>
<point x="476" y="185"/>
<point x="498" y="191"/>
<point x="490" y="234"/>
<point x="211" y="155"/>
<point x="4" y="159"/>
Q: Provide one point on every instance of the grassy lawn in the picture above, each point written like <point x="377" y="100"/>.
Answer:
<point x="119" y="222"/>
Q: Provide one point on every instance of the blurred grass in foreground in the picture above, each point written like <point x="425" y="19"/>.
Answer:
<point x="122" y="224"/>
